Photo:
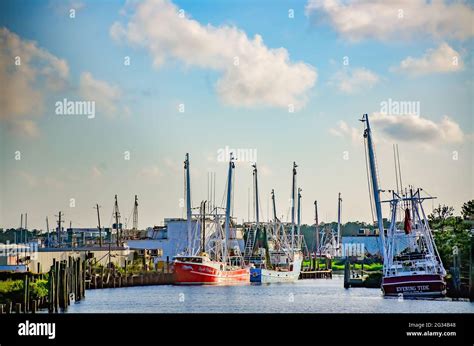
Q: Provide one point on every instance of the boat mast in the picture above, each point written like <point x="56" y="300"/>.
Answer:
<point x="299" y="211"/>
<point x="228" y="205"/>
<point x="316" y="225"/>
<point x="293" y="197"/>
<point x="257" y="219"/>
<point x="135" y="214"/>
<point x="203" y="226"/>
<point x="374" y="179"/>
<point x="188" y="201"/>
<point x="117" y="222"/>
<point x="275" y="218"/>
<point x="339" y="206"/>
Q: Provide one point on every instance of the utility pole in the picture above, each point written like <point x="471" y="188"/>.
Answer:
<point x="47" y="230"/>
<point x="58" y="232"/>
<point x="98" y="220"/>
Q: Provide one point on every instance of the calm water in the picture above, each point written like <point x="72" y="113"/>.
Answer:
<point x="302" y="296"/>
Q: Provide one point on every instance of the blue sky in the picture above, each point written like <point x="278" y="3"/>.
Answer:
<point x="74" y="157"/>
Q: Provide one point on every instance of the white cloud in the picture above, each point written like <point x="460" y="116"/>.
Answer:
<point x="28" y="73"/>
<point x="265" y="170"/>
<point x="106" y="96"/>
<point x="345" y="131"/>
<point x="354" y="81"/>
<point x="406" y="128"/>
<point x="385" y="20"/>
<point x="439" y="60"/>
<point x="151" y="172"/>
<point x="96" y="172"/>
<point x="35" y="181"/>
<point x="24" y="127"/>
<point x="30" y="179"/>
<point x="252" y="73"/>
<point x="413" y="128"/>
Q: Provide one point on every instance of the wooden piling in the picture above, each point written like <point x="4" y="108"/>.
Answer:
<point x="51" y="289"/>
<point x="347" y="273"/>
<point x="26" y="292"/>
<point x="56" y="288"/>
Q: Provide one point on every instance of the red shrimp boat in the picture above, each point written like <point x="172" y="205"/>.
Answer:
<point x="202" y="270"/>
<point x="226" y="267"/>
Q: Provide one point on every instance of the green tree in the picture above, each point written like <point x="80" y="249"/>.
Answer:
<point x="467" y="210"/>
<point x="440" y="214"/>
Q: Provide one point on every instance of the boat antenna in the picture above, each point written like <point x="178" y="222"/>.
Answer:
<point x="399" y="169"/>
<point x="214" y="193"/>
<point x="248" y="204"/>
<point x="396" y="169"/>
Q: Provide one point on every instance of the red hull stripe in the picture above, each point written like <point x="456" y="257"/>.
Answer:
<point x="194" y="273"/>
<point x="411" y="282"/>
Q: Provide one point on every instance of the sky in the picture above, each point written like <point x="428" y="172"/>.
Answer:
<point x="282" y="81"/>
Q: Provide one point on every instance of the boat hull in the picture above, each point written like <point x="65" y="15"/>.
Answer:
<point x="429" y="285"/>
<point x="202" y="274"/>
<point x="259" y="275"/>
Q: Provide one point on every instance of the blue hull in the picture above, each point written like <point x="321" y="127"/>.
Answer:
<point x="255" y="275"/>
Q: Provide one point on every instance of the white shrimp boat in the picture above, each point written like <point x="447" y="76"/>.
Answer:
<point x="411" y="262"/>
<point x="279" y="258"/>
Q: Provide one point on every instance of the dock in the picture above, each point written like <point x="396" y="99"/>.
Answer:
<point x="316" y="274"/>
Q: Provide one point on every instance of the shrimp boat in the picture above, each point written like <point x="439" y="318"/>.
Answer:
<point x="213" y="260"/>
<point x="279" y="258"/>
<point x="411" y="263"/>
